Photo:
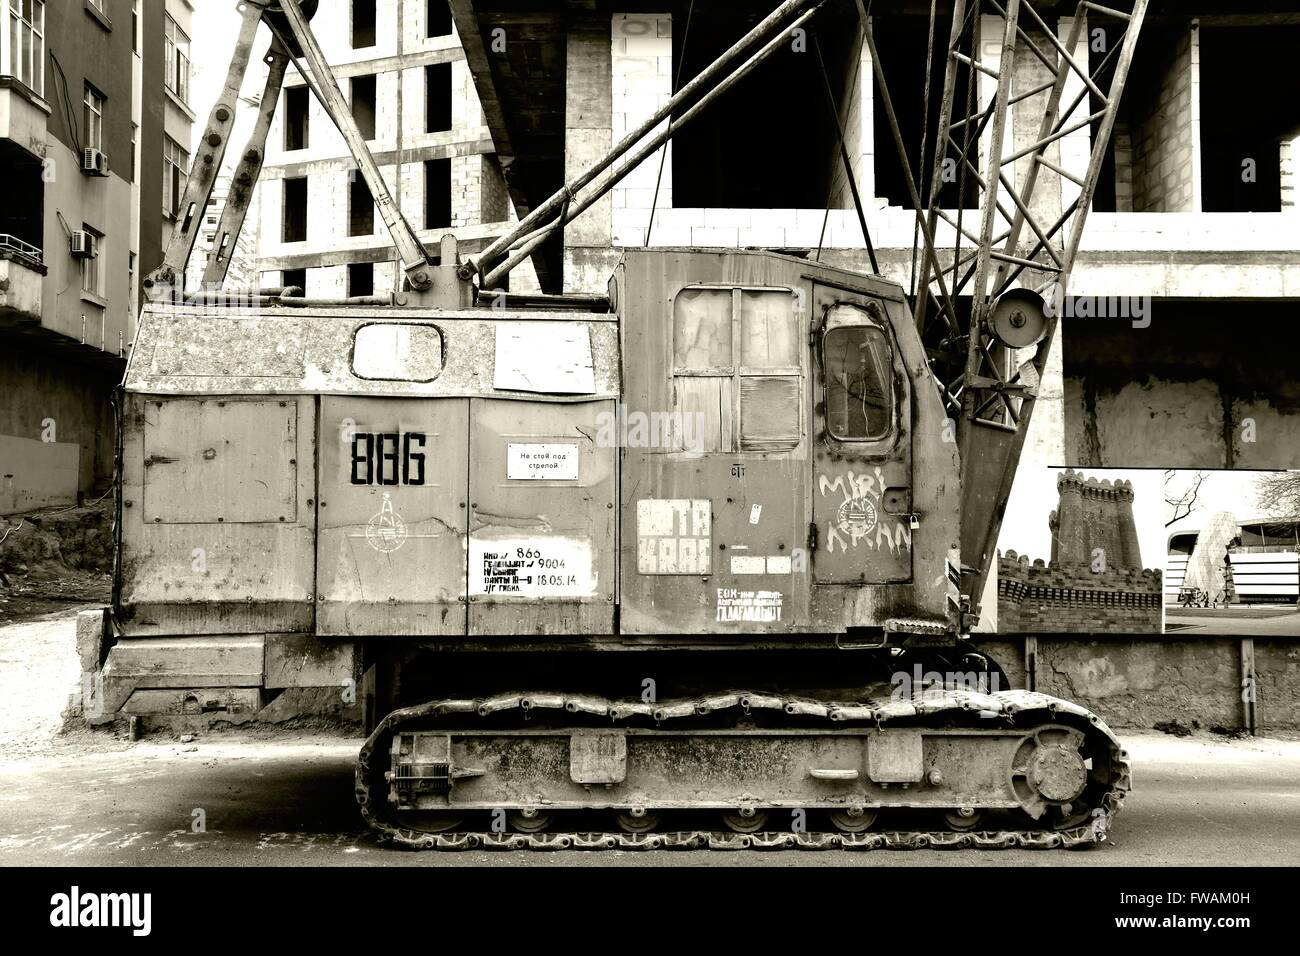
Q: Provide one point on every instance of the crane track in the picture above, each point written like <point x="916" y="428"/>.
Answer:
<point x="1022" y="709"/>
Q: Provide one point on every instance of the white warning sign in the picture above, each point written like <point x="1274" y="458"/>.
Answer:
<point x="531" y="568"/>
<point x="764" y="606"/>
<point x="538" y="462"/>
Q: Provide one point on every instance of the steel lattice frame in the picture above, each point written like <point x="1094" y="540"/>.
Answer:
<point x="992" y="394"/>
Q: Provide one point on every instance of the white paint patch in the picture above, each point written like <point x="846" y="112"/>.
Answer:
<point x="755" y="513"/>
<point x="552" y="357"/>
<point x="779" y="564"/>
<point x="539" y="462"/>
<point x="674" y="535"/>
<point x="748" y="564"/>
<point x="531" y="567"/>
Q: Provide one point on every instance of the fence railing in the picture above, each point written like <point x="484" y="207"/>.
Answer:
<point x="16" y="248"/>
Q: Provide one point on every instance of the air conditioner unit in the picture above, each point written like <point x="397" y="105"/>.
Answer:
<point x="83" y="245"/>
<point x="93" y="162"/>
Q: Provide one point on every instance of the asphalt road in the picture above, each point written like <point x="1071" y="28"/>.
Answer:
<point x="96" y="801"/>
<point x="1234" y="621"/>
<point x="89" y="798"/>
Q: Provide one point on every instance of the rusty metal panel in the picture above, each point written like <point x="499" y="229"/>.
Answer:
<point x="714" y="508"/>
<point x="231" y="554"/>
<point x="862" y="460"/>
<point x="221" y="461"/>
<point x="393" y="496"/>
<point x="542" y="525"/>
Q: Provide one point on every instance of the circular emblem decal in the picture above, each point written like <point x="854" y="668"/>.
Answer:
<point x="857" y="517"/>
<point x="386" y="531"/>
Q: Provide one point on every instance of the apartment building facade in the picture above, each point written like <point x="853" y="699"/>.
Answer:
<point x="401" y="67"/>
<point x="92" y="115"/>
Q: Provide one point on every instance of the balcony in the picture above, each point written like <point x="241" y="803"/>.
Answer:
<point x="23" y="116"/>
<point x="21" y="271"/>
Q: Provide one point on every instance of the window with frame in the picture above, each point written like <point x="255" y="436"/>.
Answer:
<point x="176" y="169"/>
<point x="176" y="59"/>
<point x="92" y="109"/>
<point x="858" y="363"/>
<point x="92" y="276"/>
<point x="23" y="53"/>
<point x="737" y="368"/>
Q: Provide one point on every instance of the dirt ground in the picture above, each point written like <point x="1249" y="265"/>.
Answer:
<point x="55" y="560"/>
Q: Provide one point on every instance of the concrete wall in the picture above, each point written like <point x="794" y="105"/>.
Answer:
<point x="1205" y="385"/>
<point x="55" y="416"/>
<point x="1139" y="682"/>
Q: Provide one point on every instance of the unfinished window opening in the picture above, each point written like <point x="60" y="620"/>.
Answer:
<point x="361" y="207"/>
<point x="737" y="372"/>
<point x="363" y="24"/>
<point x="1246" y="117"/>
<point x="901" y="41"/>
<point x="437" y="97"/>
<point x="1148" y="162"/>
<point x="769" y="142"/>
<point x="437" y="18"/>
<point x="295" y="210"/>
<point x="361" y="279"/>
<point x="294" y="278"/>
<point x="297" y="118"/>
<point x="1183" y="543"/>
<point x="437" y="193"/>
<point x="363" y="105"/>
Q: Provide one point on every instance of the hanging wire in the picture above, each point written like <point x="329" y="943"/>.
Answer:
<point x="925" y="129"/>
<point x="844" y="157"/>
<point x="835" y="154"/>
<point x="663" y="152"/>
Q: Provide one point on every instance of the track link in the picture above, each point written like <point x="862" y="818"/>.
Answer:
<point x="1020" y="709"/>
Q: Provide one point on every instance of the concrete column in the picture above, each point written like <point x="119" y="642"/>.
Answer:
<point x="589" y="133"/>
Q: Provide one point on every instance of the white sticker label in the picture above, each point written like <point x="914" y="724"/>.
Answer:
<point x="755" y="513"/>
<point x="531" y="567"/>
<point x="673" y="535"/>
<point x="764" y="606"/>
<point x="540" y="462"/>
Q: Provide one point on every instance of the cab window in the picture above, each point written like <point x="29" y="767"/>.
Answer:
<point x="859" y="394"/>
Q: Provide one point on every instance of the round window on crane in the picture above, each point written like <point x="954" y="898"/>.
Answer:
<point x="397" y="352"/>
